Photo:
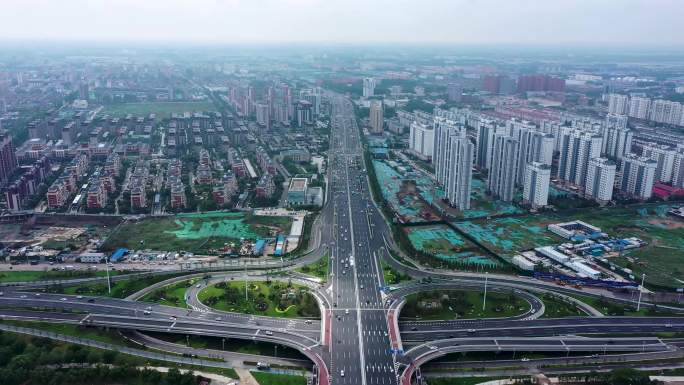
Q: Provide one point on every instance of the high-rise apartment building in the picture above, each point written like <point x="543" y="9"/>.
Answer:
<point x="678" y="167"/>
<point x="8" y="159"/>
<point x="377" y="120"/>
<point x="485" y="129"/>
<point x="666" y="111"/>
<point x="540" y="83"/>
<point x="664" y="156"/>
<point x="533" y="146"/>
<point x="576" y="149"/>
<point x="368" y="87"/>
<point x="638" y="176"/>
<point x="454" y="92"/>
<point x="504" y="167"/>
<point x="600" y="179"/>
<point x="536" y="185"/>
<point x="639" y="107"/>
<point x="617" y="138"/>
<point x="453" y="158"/>
<point x="421" y="140"/>
<point x="618" y="104"/>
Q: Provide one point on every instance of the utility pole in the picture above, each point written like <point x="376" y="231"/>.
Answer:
<point x="484" y="299"/>
<point x="641" y="290"/>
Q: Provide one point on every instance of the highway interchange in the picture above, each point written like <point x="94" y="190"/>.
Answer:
<point x="359" y="338"/>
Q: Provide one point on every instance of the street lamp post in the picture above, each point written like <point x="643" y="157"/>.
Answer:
<point x="641" y="290"/>
<point x="109" y="283"/>
<point x="484" y="299"/>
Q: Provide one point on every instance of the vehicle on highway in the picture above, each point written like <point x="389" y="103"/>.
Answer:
<point x="269" y="333"/>
<point x="342" y="373"/>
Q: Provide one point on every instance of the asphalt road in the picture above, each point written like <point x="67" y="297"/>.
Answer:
<point x="360" y="345"/>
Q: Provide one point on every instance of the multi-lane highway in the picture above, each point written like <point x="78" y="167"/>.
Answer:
<point x="360" y="348"/>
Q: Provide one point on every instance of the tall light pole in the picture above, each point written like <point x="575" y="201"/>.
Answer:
<point x="246" y="282"/>
<point x="109" y="283"/>
<point x="641" y="290"/>
<point x="484" y="299"/>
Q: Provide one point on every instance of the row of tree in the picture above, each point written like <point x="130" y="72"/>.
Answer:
<point x="40" y="361"/>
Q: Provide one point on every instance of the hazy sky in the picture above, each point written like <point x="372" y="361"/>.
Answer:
<point x="656" y="22"/>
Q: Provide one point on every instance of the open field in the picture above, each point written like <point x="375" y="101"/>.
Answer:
<point x="162" y="109"/>
<point x="507" y="236"/>
<point x="447" y="245"/>
<point x="456" y="304"/>
<point x="407" y="192"/>
<point x="482" y="205"/>
<point x="197" y="233"/>
<point x="275" y="299"/>
<point x="662" y="260"/>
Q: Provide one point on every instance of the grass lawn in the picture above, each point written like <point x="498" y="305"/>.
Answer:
<point x="391" y="276"/>
<point x="557" y="308"/>
<point x="172" y="295"/>
<point x="120" y="289"/>
<point x="199" y="233"/>
<point x="318" y="269"/>
<point x="275" y="299"/>
<point x="92" y="333"/>
<point x="458" y="380"/>
<point x="230" y="344"/>
<point x="49" y="275"/>
<point x="462" y="305"/>
<point x="162" y="109"/>
<point x="611" y="308"/>
<point x="264" y="378"/>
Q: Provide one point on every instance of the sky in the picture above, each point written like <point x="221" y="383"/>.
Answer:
<point x="598" y="22"/>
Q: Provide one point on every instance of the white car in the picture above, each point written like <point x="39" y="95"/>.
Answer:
<point x="346" y="311"/>
<point x="342" y="373"/>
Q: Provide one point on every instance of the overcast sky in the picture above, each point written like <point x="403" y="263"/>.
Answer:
<point x="645" y="22"/>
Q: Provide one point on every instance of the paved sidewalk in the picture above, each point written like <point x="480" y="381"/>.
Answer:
<point x="246" y="377"/>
